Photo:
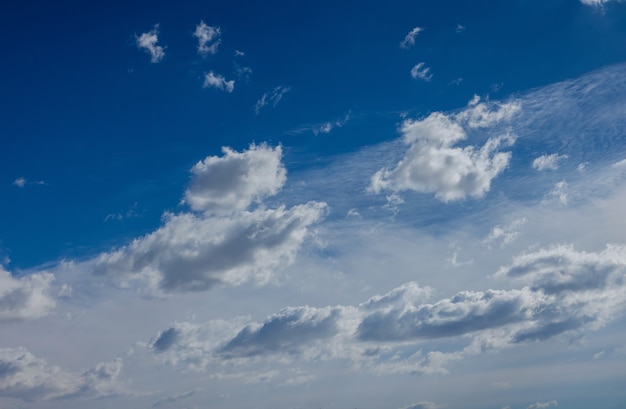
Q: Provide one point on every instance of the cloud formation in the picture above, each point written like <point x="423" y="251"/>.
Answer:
<point x="230" y="183"/>
<point x="548" y="162"/>
<point x="212" y="80"/>
<point x="25" y="297"/>
<point x="24" y="376"/>
<point x="208" y="38"/>
<point x="420" y="71"/>
<point x="409" y="39"/>
<point x="432" y="163"/>
<point x="228" y="243"/>
<point x="148" y="42"/>
<point x="543" y="405"/>
<point x="273" y="98"/>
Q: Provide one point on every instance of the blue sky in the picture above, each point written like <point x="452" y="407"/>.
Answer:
<point x="408" y="205"/>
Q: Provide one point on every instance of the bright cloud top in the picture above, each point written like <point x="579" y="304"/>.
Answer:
<point x="208" y="38"/>
<point x="212" y="80"/>
<point x="409" y="39"/>
<point x="229" y="244"/>
<point x="432" y="164"/>
<point x="148" y="42"/>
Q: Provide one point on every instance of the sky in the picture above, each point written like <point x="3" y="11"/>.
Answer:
<point x="355" y="204"/>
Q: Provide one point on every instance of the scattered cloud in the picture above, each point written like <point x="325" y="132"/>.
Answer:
<point x="230" y="183"/>
<point x="148" y="42"/>
<point x="229" y="243"/>
<point x="25" y="297"/>
<point x="239" y="53"/>
<point x="560" y="192"/>
<point x="218" y="81"/>
<point x="505" y="234"/>
<point x="327" y="127"/>
<point x="432" y="164"/>
<point x="548" y="162"/>
<point x="422" y="405"/>
<point x="420" y="71"/>
<point x="208" y="38"/>
<point x="24" y="376"/>
<point x="19" y="182"/>
<point x="273" y="98"/>
<point x="409" y="39"/>
<point x="460" y="28"/>
<point x="543" y="405"/>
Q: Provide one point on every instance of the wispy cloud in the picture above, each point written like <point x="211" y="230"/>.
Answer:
<point x="208" y="38"/>
<point x="409" y="39"/>
<point x="548" y="162"/>
<point x="272" y="97"/>
<point x="212" y="80"/>
<point x="420" y="71"/>
<point x="148" y="42"/>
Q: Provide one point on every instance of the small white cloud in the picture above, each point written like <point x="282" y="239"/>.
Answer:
<point x="543" y="405"/>
<point x="421" y="405"/>
<point x="218" y="81"/>
<point x="327" y="127"/>
<point x="239" y="53"/>
<point x="208" y="38"/>
<point x="505" y="234"/>
<point x="460" y="28"/>
<point x="560" y="192"/>
<point x="420" y="71"/>
<point x="409" y="39"/>
<point x="19" y="182"/>
<point x="230" y="183"/>
<point x="148" y="42"/>
<point x="548" y="162"/>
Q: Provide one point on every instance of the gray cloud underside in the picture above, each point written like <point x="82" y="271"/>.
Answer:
<point x="493" y="319"/>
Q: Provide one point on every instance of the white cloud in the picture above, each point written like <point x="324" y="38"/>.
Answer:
<point x="273" y="98"/>
<point x="218" y="81"/>
<point x="208" y="38"/>
<point x="420" y="71"/>
<point x="19" y="182"/>
<point x="228" y="244"/>
<point x="543" y="405"/>
<point x="230" y="183"/>
<point x="25" y="297"/>
<point x="432" y="164"/>
<point x="327" y="127"/>
<point x="596" y="2"/>
<point x="24" y="376"/>
<point x="550" y="162"/>
<point x="409" y="39"/>
<point x="460" y="28"/>
<point x="505" y="234"/>
<point x="148" y="42"/>
<point x="560" y="192"/>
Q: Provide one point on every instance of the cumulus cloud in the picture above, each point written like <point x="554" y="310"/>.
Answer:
<point x="420" y="71"/>
<point x="24" y="376"/>
<point x="228" y="243"/>
<point x="543" y="405"/>
<point x="272" y="97"/>
<point x="564" y="293"/>
<point x="25" y="297"/>
<point x="148" y="42"/>
<point x="433" y="164"/>
<point x="208" y="38"/>
<point x="230" y="183"/>
<point x="212" y="80"/>
<point x="548" y="162"/>
<point x="409" y="39"/>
